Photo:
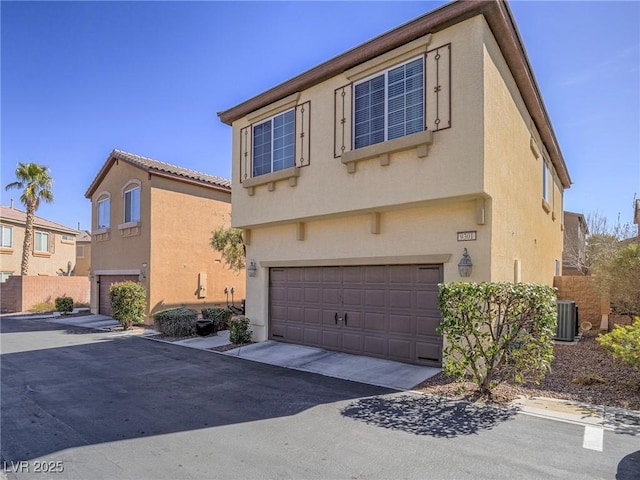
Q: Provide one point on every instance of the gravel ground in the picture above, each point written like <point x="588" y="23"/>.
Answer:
<point x="583" y="372"/>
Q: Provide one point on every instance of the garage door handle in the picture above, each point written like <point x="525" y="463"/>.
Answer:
<point x="345" y="318"/>
<point x="336" y="317"/>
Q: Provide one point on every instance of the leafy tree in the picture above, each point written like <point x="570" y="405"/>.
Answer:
<point x="36" y="185"/>
<point x="228" y="241"/>
<point x="619" y="276"/>
<point x="128" y="302"/>
<point x="497" y="331"/>
<point x="623" y="343"/>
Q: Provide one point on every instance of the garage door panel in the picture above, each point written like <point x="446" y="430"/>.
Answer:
<point x="331" y="339"/>
<point x="278" y="329"/>
<point x="278" y="276"/>
<point x="354" y="320"/>
<point x="401" y="349"/>
<point x="374" y="298"/>
<point x="352" y="342"/>
<point x="331" y="296"/>
<point x="352" y="275"/>
<point x="312" y="316"/>
<point x="278" y="312"/>
<point x="375" y="346"/>
<point x="295" y="314"/>
<point x="278" y="294"/>
<point x="402" y="324"/>
<point x="374" y="321"/>
<point x="329" y="317"/>
<point x="313" y="337"/>
<point x="313" y="275"/>
<point x="429" y="275"/>
<point x="105" y="282"/>
<point x="428" y="352"/>
<point x="427" y="300"/>
<point x="312" y="295"/>
<point x="331" y="275"/>
<point x="374" y="275"/>
<point x="295" y="333"/>
<point x="427" y="325"/>
<point x="294" y="275"/>
<point x="401" y="299"/>
<point x="402" y="274"/>
<point x="352" y="297"/>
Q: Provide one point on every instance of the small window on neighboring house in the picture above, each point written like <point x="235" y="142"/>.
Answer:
<point x="104" y="209"/>
<point x="4" y="276"/>
<point x="80" y="251"/>
<point x="41" y="241"/>
<point x="273" y="144"/>
<point x="132" y="205"/>
<point x="7" y="236"/>
<point x="68" y="238"/>
<point x="389" y="105"/>
<point x="546" y="187"/>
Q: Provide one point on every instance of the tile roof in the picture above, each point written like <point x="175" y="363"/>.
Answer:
<point x="155" y="166"/>
<point x="13" y="215"/>
<point x="83" y="236"/>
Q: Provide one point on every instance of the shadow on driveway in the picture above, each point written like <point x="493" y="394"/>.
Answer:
<point x="427" y="415"/>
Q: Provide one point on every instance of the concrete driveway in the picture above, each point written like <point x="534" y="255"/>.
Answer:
<point x="109" y="405"/>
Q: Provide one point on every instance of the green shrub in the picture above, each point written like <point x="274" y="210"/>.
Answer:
<point x="128" y="302"/>
<point x="64" y="304"/>
<point x="623" y="343"/>
<point x="239" y="331"/>
<point x="220" y="317"/>
<point x="176" y="322"/>
<point x="497" y="331"/>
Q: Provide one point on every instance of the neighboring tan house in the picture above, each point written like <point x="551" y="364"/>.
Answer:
<point x="636" y="217"/>
<point x="53" y="247"/>
<point x="360" y="184"/>
<point x="83" y="254"/>
<point x="574" y="244"/>
<point x="151" y="222"/>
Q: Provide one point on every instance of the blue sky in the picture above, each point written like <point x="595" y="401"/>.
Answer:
<point x="82" y="78"/>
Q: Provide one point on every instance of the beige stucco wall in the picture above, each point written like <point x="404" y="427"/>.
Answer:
<point x="83" y="263"/>
<point x="522" y="230"/>
<point x="176" y="222"/>
<point x="183" y="218"/>
<point x="40" y="263"/>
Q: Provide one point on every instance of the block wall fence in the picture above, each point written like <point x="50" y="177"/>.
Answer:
<point x="19" y="294"/>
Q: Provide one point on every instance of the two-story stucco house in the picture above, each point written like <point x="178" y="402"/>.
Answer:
<point x="361" y="183"/>
<point x="53" y="247"/>
<point x="151" y="222"/>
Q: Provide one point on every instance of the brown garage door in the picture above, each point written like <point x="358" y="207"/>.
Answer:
<point x="105" y="282"/>
<point x="386" y="311"/>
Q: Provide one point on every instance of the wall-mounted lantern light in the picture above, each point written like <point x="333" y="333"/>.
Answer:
<point x="252" y="268"/>
<point x="465" y="265"/>
<point x="143" y="274"/>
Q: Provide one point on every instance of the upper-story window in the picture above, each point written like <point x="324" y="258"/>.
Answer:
<point x="7" y="236"/>
<point x="104" y="209"/>
<point x="546" y="186"/>
<point x="273" y="144"/>
<point x="132" y="205"/>
<point x="41" y="241"/>
<point x="389" y="105"/>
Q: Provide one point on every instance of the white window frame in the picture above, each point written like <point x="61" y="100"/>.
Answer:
<point x="271" y="153"/>
<point x="9" y="229"/>
<point x="133" y="215"/>
<point x="41" y="234"/>
<point x="103" y="213"/>
<point x="4" y="276"/>
<point x="546" y="184"/>
<point x="385" y="73"/>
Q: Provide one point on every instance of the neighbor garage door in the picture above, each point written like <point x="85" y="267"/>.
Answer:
<point x="105" y="282"/>
<point x="386" y="311"/>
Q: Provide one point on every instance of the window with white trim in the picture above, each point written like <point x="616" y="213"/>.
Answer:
<point x="132" y="205"/>
<point x="40" y="241"/>
<point x="273" y="143"/>
<point x="4" y="276"/>
<point x="7" y="236"/>
<point x="389" y="105"/>
<point x="104" y="211"/>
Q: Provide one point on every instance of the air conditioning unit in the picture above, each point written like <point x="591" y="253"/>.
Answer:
<point x="567" y="327"/>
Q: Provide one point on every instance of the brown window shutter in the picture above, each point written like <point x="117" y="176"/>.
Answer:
<point x="52" y="243"/>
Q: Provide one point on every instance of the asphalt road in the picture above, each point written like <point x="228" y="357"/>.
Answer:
<point x="78" y="404"/>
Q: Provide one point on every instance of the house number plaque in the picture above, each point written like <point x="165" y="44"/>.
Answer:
<point x="467" y="236"/>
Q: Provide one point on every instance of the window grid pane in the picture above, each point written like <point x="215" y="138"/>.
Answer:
<point x="41" y="242"/>
<point x="273" y="144"/>
<point x="7" y="237"/>
<point x="103" y="213"/>
<point x="132" y="205"/>
<point x="390" y="105"/>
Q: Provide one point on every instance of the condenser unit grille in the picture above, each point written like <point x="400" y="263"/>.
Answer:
<point x="567" y="321"/>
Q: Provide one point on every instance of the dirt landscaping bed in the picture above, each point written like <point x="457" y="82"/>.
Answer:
<point x="583" y="372"/>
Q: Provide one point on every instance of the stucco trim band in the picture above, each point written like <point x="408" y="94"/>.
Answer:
<point x="437" y="258"/>
<point x="286" y="174"/>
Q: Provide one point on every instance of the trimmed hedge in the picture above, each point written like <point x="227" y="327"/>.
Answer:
<point x="219" y="315"/>
<point x="64" y="304"/>
<point x="128" y="302"/>
<point x="176" y="322"/>
<point x="239" y="331"/>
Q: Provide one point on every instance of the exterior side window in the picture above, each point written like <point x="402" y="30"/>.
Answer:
<point x="132" y="205"/>
<point x="40" y="241"/>
<point x="104" y="209"/>
<point x="546" y="187"/>
<point x="389" y="105"/>
<point x="273" y="144"/>
<point x="7" y="237"/>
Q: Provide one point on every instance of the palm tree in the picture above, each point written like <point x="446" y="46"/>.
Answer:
<point x="35" y="182"/>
